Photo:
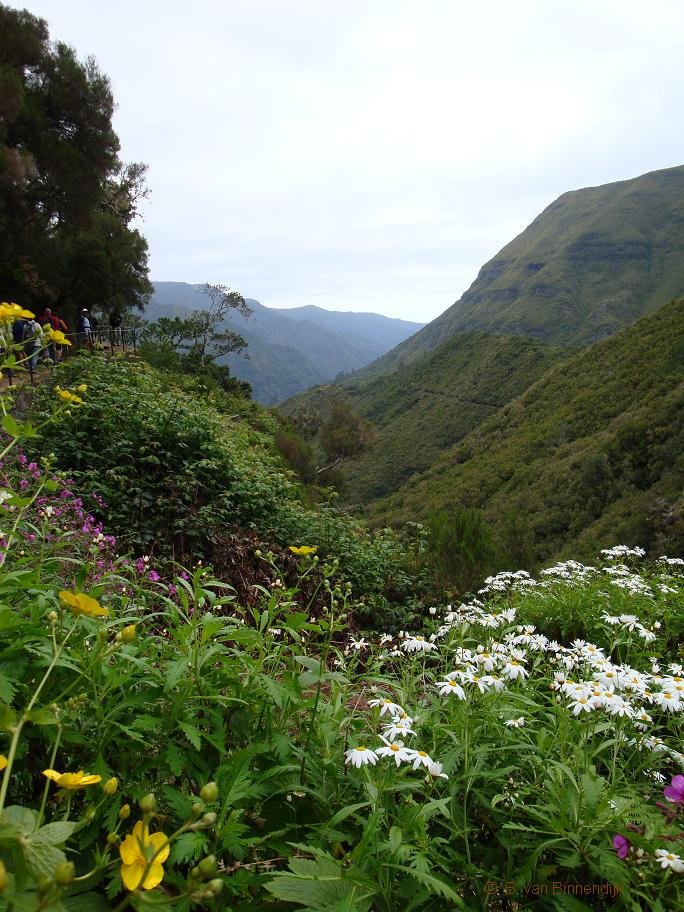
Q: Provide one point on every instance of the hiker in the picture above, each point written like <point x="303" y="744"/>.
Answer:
<point x="115" y="327"/>
<point x="33" y="334"/>
<point x="84" y="327"/>
<point x="54" y="321"/>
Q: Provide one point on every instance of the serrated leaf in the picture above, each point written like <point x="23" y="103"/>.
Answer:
<point x="7" y="688"/>
<point x="175" y="671"/>
<point x="54" y="834"/>
<point x="42" y="858"/>
<point x="11" y="425"/>
<point x="193" y="734"/>
<point x="175" y="759"/>
<point x="188" y="847"/>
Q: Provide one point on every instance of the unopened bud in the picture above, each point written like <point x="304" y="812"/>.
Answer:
<point x="112" y="838"/>
<point x="209" y="792"/>
<point x="110" y="786"/>
<point x="215" y="886"/>
<point x="148" y="804"/>
<point x="124" y="812"/>
<point x="128" y="634"/>
<point x="196" y="810"/>
<point x="207" y="866"/>
<point x="65" y="873"/>
<point x="53" y="617"/>
<point x="209" y="819"/>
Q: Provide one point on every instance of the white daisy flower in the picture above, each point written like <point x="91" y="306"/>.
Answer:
<point x="421" y="758"/>
<point x="582" y="704"/>
<point x="669" y="860"/>
<point x="417" y="644"/>
<point x="515" y="723"/>
<point x="396" y="750"/>
<point x="387" y="706"/>
<point x="396" y="730"/>
<point x="361" y="756"/>
<point x="450" y="687"/>
<point x="668" y="700"/>
<point x="514" y="670"/>
<point x="435" y="769"/>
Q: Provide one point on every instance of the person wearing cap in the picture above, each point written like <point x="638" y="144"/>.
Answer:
<point x="84" y="325"/>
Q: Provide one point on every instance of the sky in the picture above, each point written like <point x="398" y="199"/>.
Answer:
<point x="372" y="155"/>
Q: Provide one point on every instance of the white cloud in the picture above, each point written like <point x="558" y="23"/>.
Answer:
<point x="373" y="154"/>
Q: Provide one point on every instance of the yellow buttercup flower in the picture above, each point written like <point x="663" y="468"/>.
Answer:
<point x="57" y="336"/>
<point x="72" y="781"/>
<point x="11" y="312"/>
<point x="80" y="603"/>
<point x="137" y="850"/>
<point x="3" y="762"/>
<point x="304" y="551"/>
<point x="66" y="396"/>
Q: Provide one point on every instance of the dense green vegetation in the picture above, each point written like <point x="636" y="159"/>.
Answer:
<point x="166" y="746"/>
<point x="593" y="261"/>
<point x="592" y="453"/>
<point x="425" y="408"/>
<point x="191" y="473"/>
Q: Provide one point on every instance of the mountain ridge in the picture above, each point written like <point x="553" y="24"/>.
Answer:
<point x="594" y="260"/>
<point x="291" y="349"/>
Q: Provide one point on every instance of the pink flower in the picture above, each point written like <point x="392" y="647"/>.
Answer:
<point x="675" y="790"/>
<point x="153" y="576"/>
<point x="621" y="846"/>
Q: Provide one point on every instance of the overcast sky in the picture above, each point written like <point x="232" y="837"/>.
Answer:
<point x="373" y="154"/>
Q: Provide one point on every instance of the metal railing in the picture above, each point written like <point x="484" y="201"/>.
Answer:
<point x="110" y="341"/>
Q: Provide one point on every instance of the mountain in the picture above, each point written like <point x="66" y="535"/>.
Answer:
<point x="428" y="406"/>
<point x="591" y="454"/>
<point x="291" y="349"/>
<point x="593" y="261"/>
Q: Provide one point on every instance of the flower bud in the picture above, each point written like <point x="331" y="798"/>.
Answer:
<point x="112" y="838"/>
<point x="207" y="866"/>
<point x="53" y="617"/>
<point x="215" y="886"/>
<point x="148" y="804"/>
<point x="128" y="634"/>
<point x="110" y="786"/>
<point x="65" y="873"/>
<point x="209" y="792"/>
<point x="196" y="810"/>
<point x="45" y="885"/>
<point x="125" y="812"/>
<point x="209" y="819"/>
<point x="82" y="388"/>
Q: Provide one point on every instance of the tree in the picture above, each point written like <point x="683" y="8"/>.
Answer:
<point x="193" y="344"/>
<point x="66" y="199"/>
<point x="342" y="435"/>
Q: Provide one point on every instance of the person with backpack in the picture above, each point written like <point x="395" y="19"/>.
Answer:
<point x="34" y="337"/>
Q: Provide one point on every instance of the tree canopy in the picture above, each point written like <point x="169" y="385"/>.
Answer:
<point x="67" y="201"/>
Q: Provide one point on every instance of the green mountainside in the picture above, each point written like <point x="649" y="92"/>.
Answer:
<point x="593" y="261"/>
<point x="434" y="402"/>
<point x="590" y="455"/>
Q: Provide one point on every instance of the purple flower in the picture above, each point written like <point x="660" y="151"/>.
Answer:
<point x="675" y="790"/>
<point x="154" y="576"/>
<point x="173" y="590"/>
<point x="621" y="846"/>
<point x="140" y="565"/>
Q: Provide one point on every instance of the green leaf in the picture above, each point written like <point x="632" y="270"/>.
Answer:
<point x="54" y="834"/>
<point x="188" y="847"/>
<point x="7" y="688"/>
<point x="86" y="902"/>
<point x="193" y="734"/>
<point x="42" y="716"/>
<point x="11" y="426"/>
